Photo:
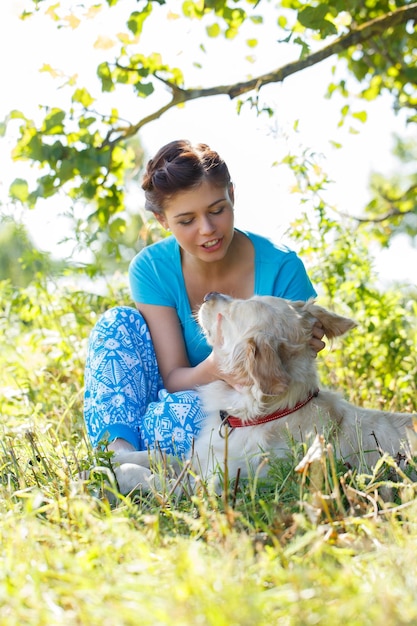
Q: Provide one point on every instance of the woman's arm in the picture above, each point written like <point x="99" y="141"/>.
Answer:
<point x="171" y="354"/>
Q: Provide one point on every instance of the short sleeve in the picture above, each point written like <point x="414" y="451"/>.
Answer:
<point x="279" y="271"/>
<point x="292" y="281"/>
<point x="152" y="277"/>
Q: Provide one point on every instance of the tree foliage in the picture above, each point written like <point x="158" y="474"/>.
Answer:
<point x="86" y="152"/>
<point x="20" y="260"/>
<point x="393" y="207"/>
<point x="378" y="361"/>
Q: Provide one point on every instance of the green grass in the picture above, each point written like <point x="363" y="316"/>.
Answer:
<point x="68" y="557"/>
<point x="319" y="546"/>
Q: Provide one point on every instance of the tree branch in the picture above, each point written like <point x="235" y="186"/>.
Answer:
<point x="354" y="37"/>
<point x="362" y="33"/>
<point x="393" y="211"/>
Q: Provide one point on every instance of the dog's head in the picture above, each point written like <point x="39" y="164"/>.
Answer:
<point x="263" y="342"/>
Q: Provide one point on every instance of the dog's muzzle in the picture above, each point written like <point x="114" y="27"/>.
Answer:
<point x="215" y="295"/>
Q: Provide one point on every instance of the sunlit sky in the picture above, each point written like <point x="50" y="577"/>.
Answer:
<point x="249" y="144"/>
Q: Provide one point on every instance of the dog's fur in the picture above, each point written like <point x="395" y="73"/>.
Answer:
<point x="262" y="346"/>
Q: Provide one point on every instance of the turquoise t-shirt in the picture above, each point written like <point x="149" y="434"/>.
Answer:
<point x="156" y="277"/>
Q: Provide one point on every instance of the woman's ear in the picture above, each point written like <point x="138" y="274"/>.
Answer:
<point x="160" y="217"/>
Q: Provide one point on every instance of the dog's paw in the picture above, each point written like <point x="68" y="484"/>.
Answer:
<point x="132" y="457"/>
<point x="131" y="477"/>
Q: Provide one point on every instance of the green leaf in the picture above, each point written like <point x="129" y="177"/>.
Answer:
<point x="117" y="227"/>
<point x="137" y="19"/>
<point x="213" y="30"/>
<point x="16" y="115"/>
<point x="193" y="9"/>
<point x="345" y="110"/>
<point x="66" y="171"/>
<point x="104" y="73"/>
<point x="85" y="122"/>
<point x="56" y="152"/>
<point x="29" y="146"/>
<point x="144" y="89"/>
<point x="411" y="74"/>
<point x="305" y="48"/>
<point x="46" y="186"/>
<point x="360" y="69"/>
<point x="374" y="88"/>
<point x="83" y="97"/>
<point x="282" y="21"/>
<point x="19" y="190"/>
<point x="52" y="124"/>
<point x="315" y="19"/>
<point x="231" y="33"/>
<point x="287" y="39"/>
<point x="87" y="162"/>
<point x="362" y="116"/>
<point x="234" y="17"/>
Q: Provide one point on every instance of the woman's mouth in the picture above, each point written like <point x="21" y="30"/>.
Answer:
<point x="212" y="245"/>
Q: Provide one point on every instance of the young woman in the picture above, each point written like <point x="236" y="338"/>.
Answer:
<point x="145" y="364"/>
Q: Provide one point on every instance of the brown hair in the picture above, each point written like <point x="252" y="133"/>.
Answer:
<point x="179" y="166"/>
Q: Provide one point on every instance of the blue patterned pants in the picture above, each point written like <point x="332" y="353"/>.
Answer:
<point x="124" y="394"/>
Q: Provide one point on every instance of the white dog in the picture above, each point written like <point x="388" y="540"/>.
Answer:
<point x="271" y="393"/>
<point x="262" y="346"/>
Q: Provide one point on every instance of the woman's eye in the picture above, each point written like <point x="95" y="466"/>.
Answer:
<point x="191" y="220"/>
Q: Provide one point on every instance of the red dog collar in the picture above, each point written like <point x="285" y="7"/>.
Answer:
<point x="236" y="422"/>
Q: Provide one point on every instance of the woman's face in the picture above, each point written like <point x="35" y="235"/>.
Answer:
<point x="201" y="220"/>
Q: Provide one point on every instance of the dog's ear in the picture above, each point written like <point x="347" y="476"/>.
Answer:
<point x="265" y="367"/>
<point x="333" y="324"/>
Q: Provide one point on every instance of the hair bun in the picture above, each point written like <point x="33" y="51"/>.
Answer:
<point x="179" y="166"/>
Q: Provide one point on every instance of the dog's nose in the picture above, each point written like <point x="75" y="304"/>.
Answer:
<point x="210" y="295"/>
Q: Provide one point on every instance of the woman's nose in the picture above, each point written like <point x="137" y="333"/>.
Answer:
<point x="206" y="226"/>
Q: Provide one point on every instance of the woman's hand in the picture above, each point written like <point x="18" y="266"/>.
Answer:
<point x="316" y="342"/>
